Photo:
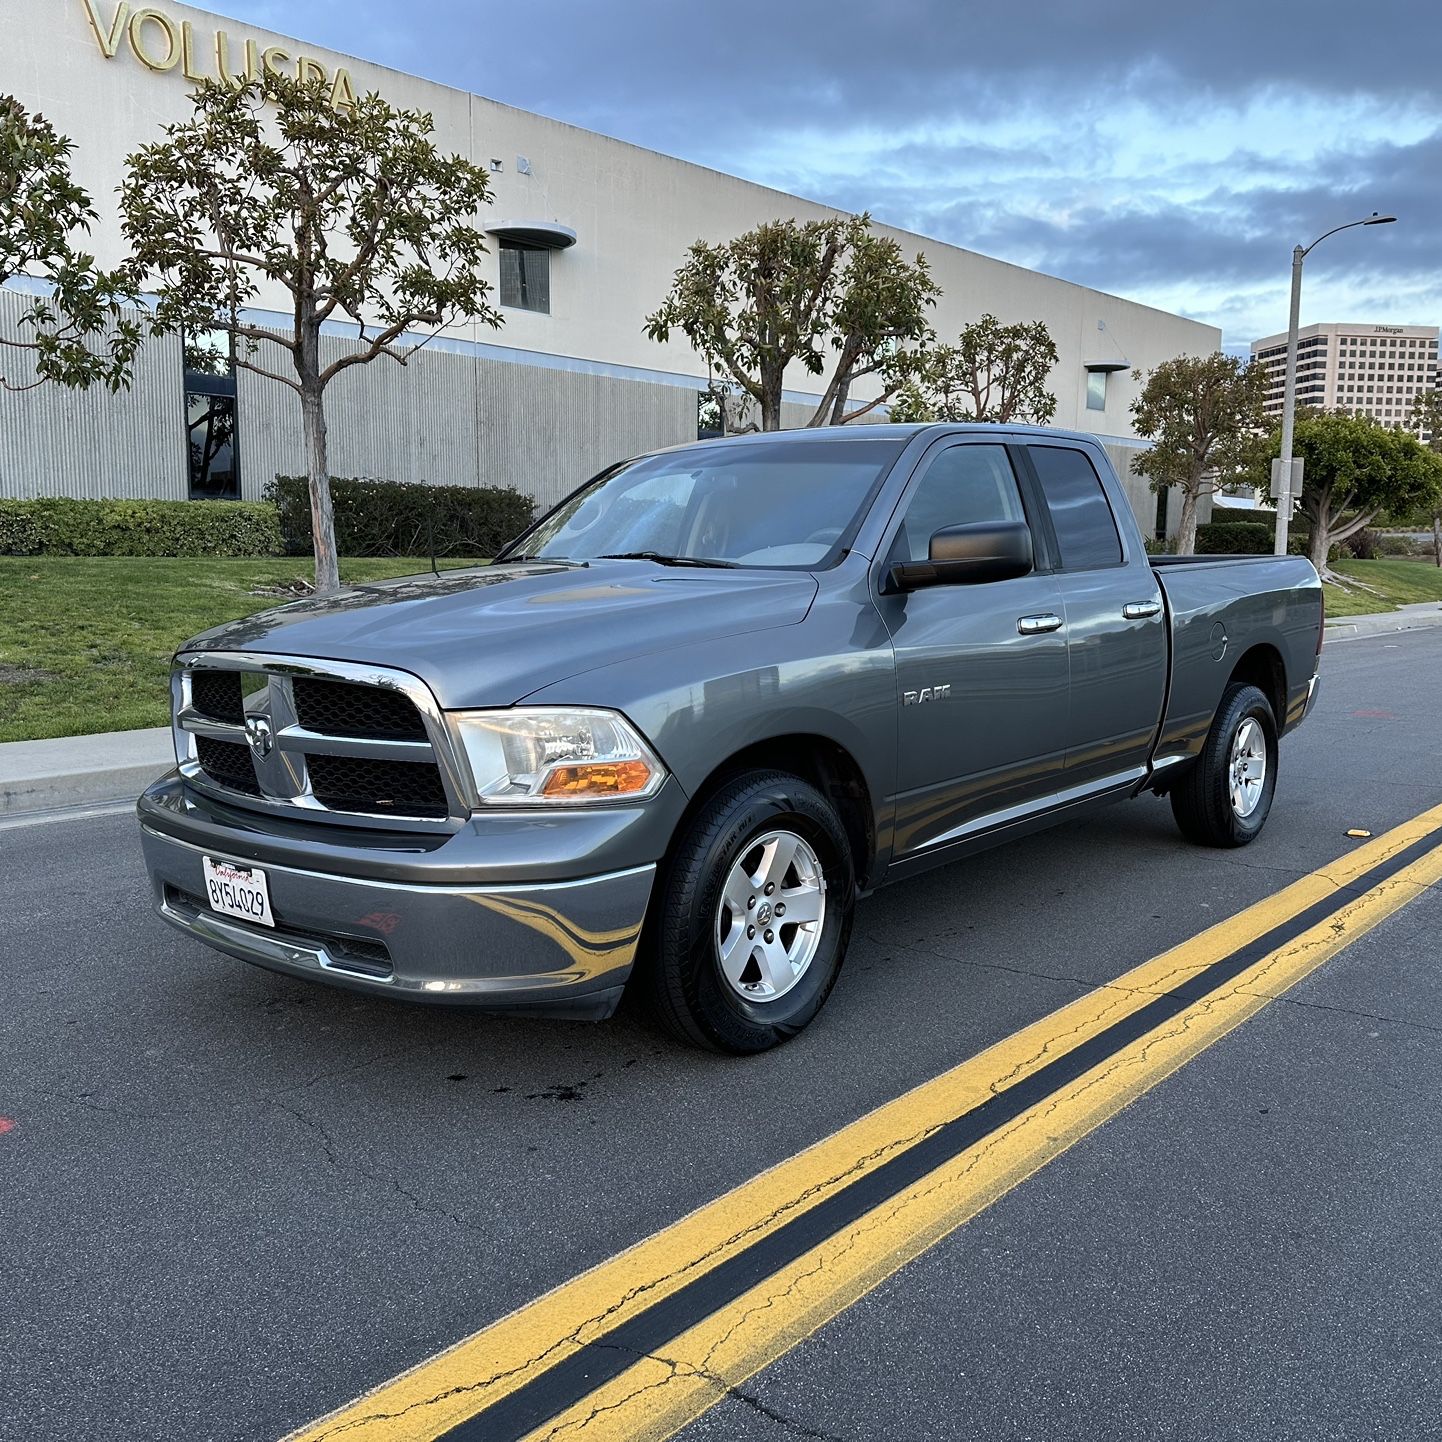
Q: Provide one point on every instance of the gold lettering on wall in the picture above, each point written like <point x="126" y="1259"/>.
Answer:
<point x="138" y="22"/>
<point x="222" y="61"/>
<point x="342" y="94"/>
<point x="187" y="52"/>
<point x="108" y="40"/>
<point x="161" y="44"/>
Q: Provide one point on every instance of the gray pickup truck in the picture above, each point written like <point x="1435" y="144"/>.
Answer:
<point x="716" y="694"/>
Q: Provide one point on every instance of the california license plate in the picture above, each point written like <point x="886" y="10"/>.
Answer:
<point x="237" y="891"/>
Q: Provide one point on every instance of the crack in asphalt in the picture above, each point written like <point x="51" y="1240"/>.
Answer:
<point x="793" y="1425"/>
<point x="1347" y="888"/>
<point x="419" y="1204"/>
<point x="1353" y="1012"/>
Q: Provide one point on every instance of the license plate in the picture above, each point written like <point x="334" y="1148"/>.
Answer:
<point x="238" y="891"/>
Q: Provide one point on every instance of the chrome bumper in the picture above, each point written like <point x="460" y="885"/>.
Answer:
<point x="562" y="947"/>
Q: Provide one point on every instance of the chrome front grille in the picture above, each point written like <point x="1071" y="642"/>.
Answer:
<point x="333" y="740"/>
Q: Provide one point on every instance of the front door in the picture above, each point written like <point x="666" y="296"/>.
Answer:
<point x="981" y="670"/>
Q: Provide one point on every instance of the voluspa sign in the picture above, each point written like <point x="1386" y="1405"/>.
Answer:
<point x="162" y="43"/>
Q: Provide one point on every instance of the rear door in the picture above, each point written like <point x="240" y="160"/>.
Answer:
<point x="1116" y="624"/>
<point x="981" y="669"/>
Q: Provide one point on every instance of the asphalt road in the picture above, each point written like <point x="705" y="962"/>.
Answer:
<point x="231" y="1201"/>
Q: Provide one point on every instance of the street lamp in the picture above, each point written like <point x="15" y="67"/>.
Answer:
<point x="1289" y="390"/>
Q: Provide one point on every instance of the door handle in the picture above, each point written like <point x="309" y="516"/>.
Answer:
<point x="1140" y="610"/>
<point x="1038" y="625"/>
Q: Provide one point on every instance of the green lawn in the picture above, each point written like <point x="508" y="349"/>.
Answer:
<point x="1394" y="582"/>
<point x="85" y="642"/>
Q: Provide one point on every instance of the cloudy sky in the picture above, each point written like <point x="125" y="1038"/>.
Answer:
<point x="1169" y="152"/>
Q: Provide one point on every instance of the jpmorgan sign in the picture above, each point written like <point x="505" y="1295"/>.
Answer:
<point x="161" y="43"/>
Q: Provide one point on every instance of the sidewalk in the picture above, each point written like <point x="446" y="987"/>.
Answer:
<point x="93" y="770"/>
<point x="1404" y="618"/>
<point x="81" y="770"/>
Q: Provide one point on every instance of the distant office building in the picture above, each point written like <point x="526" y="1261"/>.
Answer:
<point x="1378" y="369"/>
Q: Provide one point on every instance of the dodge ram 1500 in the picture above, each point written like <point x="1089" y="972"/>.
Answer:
<point x="703" y="704"/>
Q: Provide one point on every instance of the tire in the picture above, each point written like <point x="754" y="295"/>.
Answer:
<point x="1203" y="800"/>
<point x="768" y="998"/>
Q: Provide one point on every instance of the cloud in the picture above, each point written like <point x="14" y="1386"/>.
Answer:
<point x="1173" y="154"/>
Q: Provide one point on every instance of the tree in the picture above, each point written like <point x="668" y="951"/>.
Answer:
<point x="1203" y="415"/>
<point x="1427" y="416"/>
<point x="77" y="334"/>
<point x="788" y="293"/>
<point x="994" y="373"/>
<point x="353" y="212"/>
<point x="1355" y="469"/>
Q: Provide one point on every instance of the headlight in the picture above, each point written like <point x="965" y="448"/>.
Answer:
<point x="544" y="755"/>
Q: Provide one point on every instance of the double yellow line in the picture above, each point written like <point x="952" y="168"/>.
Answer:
<point x="648" y="1340"/>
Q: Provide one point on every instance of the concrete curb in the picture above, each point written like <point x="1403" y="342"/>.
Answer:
<point x="81" y="770"/>
<point x="1378" y="623"/>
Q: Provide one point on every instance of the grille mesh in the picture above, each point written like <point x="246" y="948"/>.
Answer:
<point x="218" y="694"/>
<point x="227" y="764"/>
<point x="357" y="783"/>
<point x="341" y="708"/>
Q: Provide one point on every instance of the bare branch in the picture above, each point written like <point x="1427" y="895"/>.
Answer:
<point x="250" y="365"/>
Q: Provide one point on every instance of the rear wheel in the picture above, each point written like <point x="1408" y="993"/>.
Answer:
<point x="1225" y="797"/>
<point x="753" y="915"/>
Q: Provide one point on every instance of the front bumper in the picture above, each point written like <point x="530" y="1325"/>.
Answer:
<point x="384" y="921"/>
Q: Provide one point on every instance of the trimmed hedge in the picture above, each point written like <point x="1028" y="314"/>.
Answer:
<point x="62" y="527"/>
<point x="1234" y="538"/>
<point x="400" y="518"/>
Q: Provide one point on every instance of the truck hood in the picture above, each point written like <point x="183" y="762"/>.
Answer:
<point x="493" y="634"/>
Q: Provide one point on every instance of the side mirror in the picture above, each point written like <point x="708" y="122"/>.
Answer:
<point x="967" y="555"/>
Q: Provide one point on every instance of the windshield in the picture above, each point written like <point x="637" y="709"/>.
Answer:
<point x="786" y="504"/>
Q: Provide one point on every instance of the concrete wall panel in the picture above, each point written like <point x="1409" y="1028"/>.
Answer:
<point x="60" y="442"/>
<point x="462" y="420"/>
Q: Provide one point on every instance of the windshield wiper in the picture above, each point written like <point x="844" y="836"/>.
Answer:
<point x="661" y="560"/>
<point x="550" y="560"/>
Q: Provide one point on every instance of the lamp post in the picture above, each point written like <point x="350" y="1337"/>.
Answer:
<point x="1289" y="387"/>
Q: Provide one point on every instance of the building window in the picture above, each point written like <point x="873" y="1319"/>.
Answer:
<point x="525" y="277"/>
<point x="210" y="417"/>
<point x="1096" y="390"/>
<point x="710" y="418"/>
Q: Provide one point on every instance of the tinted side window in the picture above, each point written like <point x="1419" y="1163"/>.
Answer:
<point x="961" y="485"/>
<point x="1086" y="532"/>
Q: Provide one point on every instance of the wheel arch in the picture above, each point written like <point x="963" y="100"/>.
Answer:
<point x="819" y="760"/>
<point x="1262" y="666"/>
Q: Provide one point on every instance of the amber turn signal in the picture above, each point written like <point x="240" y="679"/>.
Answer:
<point x="598" y="778"/>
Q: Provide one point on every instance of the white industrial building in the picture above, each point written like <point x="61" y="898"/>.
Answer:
<point x="586" y="234"/>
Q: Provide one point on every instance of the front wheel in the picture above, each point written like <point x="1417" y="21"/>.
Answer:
<point x="1224" y="798"/>
<point x="754" y="915"/>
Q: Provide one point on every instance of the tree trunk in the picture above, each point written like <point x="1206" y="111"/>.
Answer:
<point x="838" y="409"/>
<point x="322" y="516"/>
<point x="1187" y="525"/>
<point x="771" y="379"/>
<point x="1318" y="545"/>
